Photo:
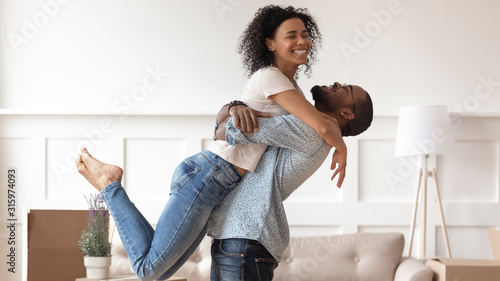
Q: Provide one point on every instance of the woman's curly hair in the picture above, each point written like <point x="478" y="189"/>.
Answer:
<point x="252" y="43"/>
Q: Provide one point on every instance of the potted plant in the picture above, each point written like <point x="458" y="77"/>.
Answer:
<point x="94" y="241"/>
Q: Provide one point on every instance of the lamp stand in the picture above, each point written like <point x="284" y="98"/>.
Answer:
<point x="422" y="177"/>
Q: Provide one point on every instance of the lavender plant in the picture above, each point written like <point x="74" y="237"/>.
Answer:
<point x="94" y="240"/>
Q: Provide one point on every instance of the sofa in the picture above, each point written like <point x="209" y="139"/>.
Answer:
<point x="347" y="257"/>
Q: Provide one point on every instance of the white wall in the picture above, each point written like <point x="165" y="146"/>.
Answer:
<point x="141" y="81"/>
<point x="54" y="53"/>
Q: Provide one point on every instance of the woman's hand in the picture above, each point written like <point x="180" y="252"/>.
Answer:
<point x="339" y="159"/>
<point x="245" y="118"/>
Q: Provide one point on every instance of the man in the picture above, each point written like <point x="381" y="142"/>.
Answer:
<point x="159" y="253"/>
<point x="249" y="226"/>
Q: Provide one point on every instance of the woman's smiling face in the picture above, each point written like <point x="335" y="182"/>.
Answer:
<point x="291" y="44"/>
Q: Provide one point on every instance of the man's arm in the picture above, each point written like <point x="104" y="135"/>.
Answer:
<point x="285" y="131"/>
<point x="220" y="123"/>
<point x="290" y="133"/>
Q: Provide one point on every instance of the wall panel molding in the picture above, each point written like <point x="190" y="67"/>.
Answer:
<point x="149" y="147"/>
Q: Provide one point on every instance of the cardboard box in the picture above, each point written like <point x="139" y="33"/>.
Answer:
<point x="446" y="269"/>
<point x="52" y="251"/>
<point x="52" y="245"/>
<point x="464" y="269"/>
<point x="495" y="243"/>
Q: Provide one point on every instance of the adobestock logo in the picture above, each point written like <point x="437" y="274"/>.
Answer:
<point x="485" y="88"/>
<point x="93" y="138"/>
<point x="223" y="6"/>
<point x="150" y="82"/>
<point x="320" y="253"/>
<point x="30" y="28"/>
<point x="363" y="37"/>
<point x="122" y="106"/>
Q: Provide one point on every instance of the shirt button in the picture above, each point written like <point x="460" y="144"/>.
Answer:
<point x="288" y="260"/>
<point x="356" y="259"/>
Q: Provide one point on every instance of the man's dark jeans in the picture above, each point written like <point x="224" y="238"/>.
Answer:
<point x="241" y="259"/>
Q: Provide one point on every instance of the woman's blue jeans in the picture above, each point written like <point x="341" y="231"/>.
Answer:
<point x="241" y="260"/>
<point x="199" y="183"/>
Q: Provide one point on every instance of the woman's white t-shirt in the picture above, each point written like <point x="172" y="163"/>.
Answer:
<point x="265" y="82"/>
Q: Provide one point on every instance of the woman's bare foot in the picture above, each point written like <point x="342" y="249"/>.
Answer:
<point x="97" y="173"/>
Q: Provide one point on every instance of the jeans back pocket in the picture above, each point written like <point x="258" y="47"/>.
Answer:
<point x="185" y="171"/>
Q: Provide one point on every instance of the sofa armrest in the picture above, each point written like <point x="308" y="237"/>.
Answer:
<point x="410" y="269"/>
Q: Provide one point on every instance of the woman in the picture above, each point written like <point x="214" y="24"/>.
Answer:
<point x="201" y="181"/>
<point x="276" y="43"/>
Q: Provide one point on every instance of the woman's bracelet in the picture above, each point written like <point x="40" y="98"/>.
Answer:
<point x="234" y="103"/>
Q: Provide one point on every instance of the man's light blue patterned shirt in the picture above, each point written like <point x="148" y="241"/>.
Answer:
<point x="254" y="209"/>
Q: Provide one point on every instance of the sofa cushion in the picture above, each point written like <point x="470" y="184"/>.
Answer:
<point x="359" y="257"/>
<point x="356" y="257"/>
<point x="197" y="267"/>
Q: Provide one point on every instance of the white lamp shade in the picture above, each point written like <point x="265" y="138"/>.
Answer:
<point x="424" y="130"/>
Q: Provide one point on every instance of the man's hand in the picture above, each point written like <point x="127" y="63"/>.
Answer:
<point x="339" y="159"/>
<point x="245" y="118"/>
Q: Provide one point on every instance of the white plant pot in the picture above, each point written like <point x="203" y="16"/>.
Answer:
<point x="97" y="267"/>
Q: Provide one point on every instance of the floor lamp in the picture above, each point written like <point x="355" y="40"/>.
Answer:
<point x="424" y="131"/>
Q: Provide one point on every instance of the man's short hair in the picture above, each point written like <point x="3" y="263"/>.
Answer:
<point x="362" y="120"/>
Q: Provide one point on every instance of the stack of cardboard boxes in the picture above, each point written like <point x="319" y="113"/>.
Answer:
<point x="446" y="269"/>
